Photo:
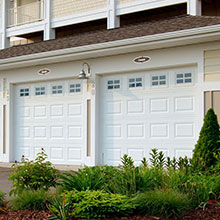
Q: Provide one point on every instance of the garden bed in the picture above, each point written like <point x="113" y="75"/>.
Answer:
<point x="212" y="211"/>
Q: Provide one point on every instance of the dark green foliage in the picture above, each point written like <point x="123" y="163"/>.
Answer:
<point x="2" y="196"/>
<point x="97" y="204"/>
<point x="60" y="209"/>
<point x="33" y="175"/>
<point x="127" y="162"/>
<point x="33" y="200"/>
<point x="199" y="188"/>
<point x="157" y="159"/>
<point x="89" y="178"/>
<point x="165" y="203"/>
<point x="208" y="144"/>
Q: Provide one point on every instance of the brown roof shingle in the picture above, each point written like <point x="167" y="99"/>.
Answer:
<point x="131" y="31"/>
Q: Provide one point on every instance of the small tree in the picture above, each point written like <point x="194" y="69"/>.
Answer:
<point x="208" y="144"/>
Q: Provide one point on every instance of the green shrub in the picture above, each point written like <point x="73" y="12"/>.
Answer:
<point x="2" y="196"/>
<point x="175" y="178"/>
<point x="60" y="209"/>
<point x="89" y="178"/>
<point x="33" y="200"/>
<point x="168" y="203"/>
<point x="98" y="204"/>
<point x="33" y="175"/>
<point x="199" y="188"/>
<point x="208" y="144"/>
<point x="216" y="184"/>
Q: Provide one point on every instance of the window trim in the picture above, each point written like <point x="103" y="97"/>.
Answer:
<point x="113" y="79"/>
<point x="57" y="84"/>
<point x="135" y="77"/>
<point x="158" y="75"/>
<point x="184" y="83"/>
<point x="75" y="93"/>
<point x="40" y="86"/>
<point x="29" y="92"/>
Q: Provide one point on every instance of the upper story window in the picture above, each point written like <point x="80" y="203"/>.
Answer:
<point x="113" y="84"/>
<point x="75" y="88"/>
<point x="159" y="80"/>
<point x="182" y="78"/>
<point x="40" y="91"/>
<point x="24" y="92"/>
<point x="135" y="82"/>
<point x="57" y="89"/>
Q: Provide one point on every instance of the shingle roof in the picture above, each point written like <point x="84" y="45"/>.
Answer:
<point x="101" y="36"/>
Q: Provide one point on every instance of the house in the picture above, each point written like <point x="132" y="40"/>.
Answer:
<point x="91" y="80"/>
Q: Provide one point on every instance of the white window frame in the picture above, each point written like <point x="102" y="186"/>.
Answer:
<point x="135" y="77"/>
<point x="29" y="91"/>
<point x="184" y="78"/>
<point x="40" y="86"/>
<point x="113" y="78"/>
<point x="75" y="83"/>
<point x="57" y="84"/>
<point x="159" y="80"/>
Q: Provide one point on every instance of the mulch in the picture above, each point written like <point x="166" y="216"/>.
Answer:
<point x="211" y="212"/>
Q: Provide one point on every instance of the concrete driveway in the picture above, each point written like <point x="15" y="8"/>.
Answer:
<point x="5" y="184"/>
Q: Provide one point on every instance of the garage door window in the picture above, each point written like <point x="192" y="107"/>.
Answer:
<point x="57" y="89"/>
<point x="113" y="84"/>
<point x="135" y="82"/>
<point x="75" y="88"/>
<point x="158" y="80"/>
<point x="182" y="78"/>
<point x="40" y="91"/>
<point x="24" y="92"/>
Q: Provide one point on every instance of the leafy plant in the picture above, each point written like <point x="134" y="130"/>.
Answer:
<point x="97" y="204"/>
<point x="200" y="188"/>
<point x="33" y="175"/>
<point x="127" y="162"/>
<point x="208" y="144"/>
<point x="144" y="162"/>
<point x="32" y="199"/>
<point x="157" y="159"/>
<point x="163" y="203"/>
<point x="89" y="178"/>
<point x="2" y="196"/>
<point x="60" y="209"/>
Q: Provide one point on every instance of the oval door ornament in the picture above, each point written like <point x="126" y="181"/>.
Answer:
<point x="141" y="59"/>
<point x="43" y="72"/>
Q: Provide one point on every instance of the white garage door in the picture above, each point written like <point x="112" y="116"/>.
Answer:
<point x="141" y="111"/>
<point x="50" y="115"/>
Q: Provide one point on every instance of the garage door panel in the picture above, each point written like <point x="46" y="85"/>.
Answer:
<point x="138" y="120"/>
<point x="53" y="121"/>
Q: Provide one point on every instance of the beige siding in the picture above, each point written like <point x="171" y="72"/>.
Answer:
<point x="24" y="2"/>
<point x="212" y="65"/>
<point x="125" y="1"/>
<point x="212" y="100"/>
<point x="62" y="8"/>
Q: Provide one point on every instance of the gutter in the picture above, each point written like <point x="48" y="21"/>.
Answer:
<point x="103" y="48"/>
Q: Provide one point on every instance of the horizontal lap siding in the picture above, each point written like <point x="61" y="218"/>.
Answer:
<point x="125" y="1"/>
<point x="212" y="65"/>
<point x="62" y="8"/>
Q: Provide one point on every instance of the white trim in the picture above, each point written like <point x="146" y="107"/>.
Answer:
<point x="195" y="35"/>
<point x="25" y="29"/>
<point x="194" y="7"/>
<point x="113" y="20"/>
<point x="49" y="33"/>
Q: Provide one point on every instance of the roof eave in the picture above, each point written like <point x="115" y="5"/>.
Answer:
<point x="169" y="39"/>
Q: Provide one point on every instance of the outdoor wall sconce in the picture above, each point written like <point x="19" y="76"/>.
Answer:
<point x="82" y="74"/>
